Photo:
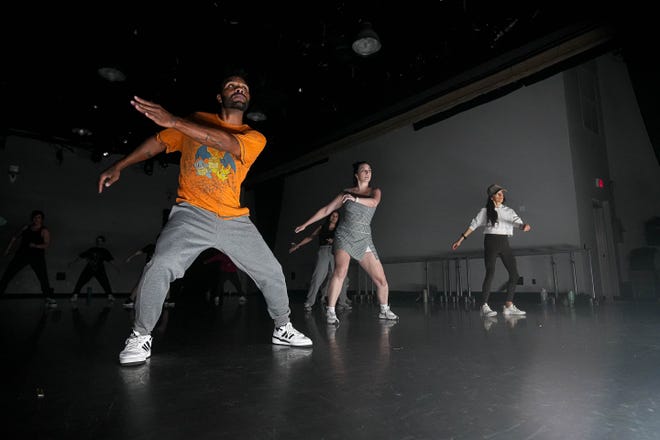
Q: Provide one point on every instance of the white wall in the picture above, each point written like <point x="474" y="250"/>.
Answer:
<point x="128" y="214"/>
<point x="433" y="181"/>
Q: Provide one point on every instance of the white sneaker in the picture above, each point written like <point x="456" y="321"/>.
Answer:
<point x="51" y="303"/>
<point x="74" y="297"/>
<point x="386" y="313"/>
<point x="487" y="311"/>
<point x="513" y="310"/>
<point x="137" y="349"/>
<point x="287" y="335"/>
<point x="331" y="317"/>
<point x="242" y="299"/>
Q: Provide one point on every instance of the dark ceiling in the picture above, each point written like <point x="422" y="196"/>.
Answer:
<point x="313" y="88"/>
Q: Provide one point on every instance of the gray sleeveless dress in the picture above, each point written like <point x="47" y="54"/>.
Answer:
<point x="353" y="233"/>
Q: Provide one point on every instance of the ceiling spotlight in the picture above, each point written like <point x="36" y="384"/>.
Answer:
<point x="256" y="116"/>
<point x="367" y="42"/>
<point x="112" y="74"/>
<point x="82" y="131"/>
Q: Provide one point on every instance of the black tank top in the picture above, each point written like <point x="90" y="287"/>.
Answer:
<point x="326" y="234"/>
<point x="29" y="236"/>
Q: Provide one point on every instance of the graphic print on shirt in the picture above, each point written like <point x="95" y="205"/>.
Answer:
<point x="210" y="163"/>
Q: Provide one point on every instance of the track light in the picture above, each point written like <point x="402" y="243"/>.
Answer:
<point x="367" y="42"/>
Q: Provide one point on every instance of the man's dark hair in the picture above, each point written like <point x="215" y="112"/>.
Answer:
<point x="36" y="212"/>
<point x="236" y="71"/>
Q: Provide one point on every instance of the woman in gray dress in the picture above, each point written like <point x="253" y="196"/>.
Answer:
<point x="353" y="239"/>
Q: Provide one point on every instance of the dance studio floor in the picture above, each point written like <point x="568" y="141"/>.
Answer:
<point x="587" y="372"/>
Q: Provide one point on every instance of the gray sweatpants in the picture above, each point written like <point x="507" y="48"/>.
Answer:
<point x="191" y="230"/>
<point x="325" y="266"/>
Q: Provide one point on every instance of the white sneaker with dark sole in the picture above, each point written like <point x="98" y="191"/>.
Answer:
<point x="512" y="310"/>
<point x="386" y="313"/>
<point x="487" y="311"/>
<point x="137" y="349"/>
<point x="287" y="335"/>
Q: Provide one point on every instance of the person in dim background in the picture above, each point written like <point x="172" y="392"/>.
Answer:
<point x="499" y="221"/>
<point x="325" y="262"/>
<point x="34" y="239"/>
<point x="96" y="257"/>
<point x="226" y="270"/>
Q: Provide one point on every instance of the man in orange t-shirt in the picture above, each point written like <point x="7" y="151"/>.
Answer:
<point x="217" y="151"/>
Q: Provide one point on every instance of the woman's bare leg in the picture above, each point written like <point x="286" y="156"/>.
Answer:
<point x="342" y="261"/>
<point x="374" y="269"/>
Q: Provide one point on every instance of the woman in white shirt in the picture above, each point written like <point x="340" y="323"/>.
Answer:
<point x="498" y="221"/>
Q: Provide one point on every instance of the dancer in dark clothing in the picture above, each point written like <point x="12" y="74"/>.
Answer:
<point x="96" y="258"/>
<point x="34" y="240"/>
<point x="226" y="271"/>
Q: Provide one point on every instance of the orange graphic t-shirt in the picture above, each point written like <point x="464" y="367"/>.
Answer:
<point x="209" y="178"/>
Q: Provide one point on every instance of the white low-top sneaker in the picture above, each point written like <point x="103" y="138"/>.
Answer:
<point x="386" y="313"/>
<point x="137" y="349"/>
<point x="513" y="310"/>
<point x="487" y="311"/>
<point x="287" y="335"/>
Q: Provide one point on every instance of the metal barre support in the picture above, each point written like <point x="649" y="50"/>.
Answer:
<point x="575" y="281"/>
<point x="469" y="298"/>
<point x="555" y="281"/>
<point x="459" y="287"/>
<point x="591" y="274"/>
<point x="445" y="265"/>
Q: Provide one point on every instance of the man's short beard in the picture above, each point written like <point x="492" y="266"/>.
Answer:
<point x="242" y="106"/>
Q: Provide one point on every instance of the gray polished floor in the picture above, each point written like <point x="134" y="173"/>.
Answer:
<point x="442" y="372"/>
